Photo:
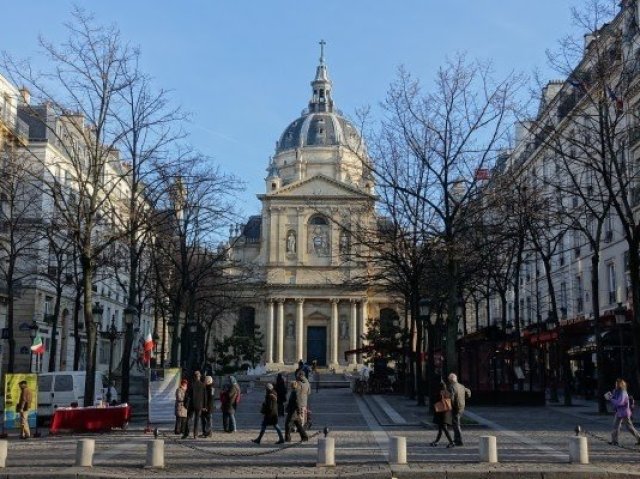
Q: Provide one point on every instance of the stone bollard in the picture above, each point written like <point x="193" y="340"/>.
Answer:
<point x="84" y="452"/>
<point x="398" y="450"/>
<point x="578" y="450"/>
<point x="155" y="453"/>
<point x="3" y="453"/>
<point x="326" y="452"/>
<point x="488" y="449"/>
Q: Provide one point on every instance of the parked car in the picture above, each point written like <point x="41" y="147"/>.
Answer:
<point x="66" y="388"/>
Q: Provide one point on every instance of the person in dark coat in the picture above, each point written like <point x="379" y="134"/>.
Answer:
<point x="234" y="399"/>
<point x="196" y="403"/>
<point x="293" y="418"/>
<point x="443" y="419"/>
<point x="281" y="391"/>
<point x="225" y="406"/>
<point x="207" y="410"/>
<point x="270" y="414"/>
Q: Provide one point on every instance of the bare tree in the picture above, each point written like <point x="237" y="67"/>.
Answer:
<point x="455" y="130"/>
<point x="83" y="88"/>
<point x="20" y="224"/>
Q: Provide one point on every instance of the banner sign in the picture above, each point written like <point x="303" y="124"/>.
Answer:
<point x="162" y="394"/>
<point x="12" y="396"/>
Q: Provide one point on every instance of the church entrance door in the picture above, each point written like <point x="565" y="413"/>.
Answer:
<point x="317" y="345"/>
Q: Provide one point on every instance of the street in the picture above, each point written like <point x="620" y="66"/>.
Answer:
<point x="534" y="440"/>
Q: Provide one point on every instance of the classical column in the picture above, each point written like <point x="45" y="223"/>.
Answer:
<point x="334" y="332"/>
<point x="363" y="319"/>
<point x="270" y="332"/>
<point x="353" y="329"/>
<point x="299" y="329"/>
<point x="280" y="332"/>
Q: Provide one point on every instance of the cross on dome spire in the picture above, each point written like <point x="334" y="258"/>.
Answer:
<point x="321" y="86"/>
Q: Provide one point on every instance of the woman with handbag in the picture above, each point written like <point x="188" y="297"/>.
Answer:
<point x="443" y="417"/>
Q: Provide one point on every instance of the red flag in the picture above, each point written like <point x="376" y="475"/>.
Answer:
<point x="148" y="347"/>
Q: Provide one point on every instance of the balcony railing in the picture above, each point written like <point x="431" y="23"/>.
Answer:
<point x="19" y="127"/>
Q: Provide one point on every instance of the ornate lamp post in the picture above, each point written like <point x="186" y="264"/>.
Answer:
<point x="621" y="318"/>
<point x="193" y="353"/>
<point x="424" y="315"/>
<point x="130" y="313"/>
<point x="550" y="324"/>
<point x="111" y="334"/>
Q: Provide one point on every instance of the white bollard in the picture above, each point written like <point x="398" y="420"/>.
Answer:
<point x="3" y="453"/>
<point x="155" y="453"/>
<point x="579" y="450"/>
<point x="84" y="452"/>
<point x="398" y="450"/>
<point x="326" y="452"/>
<point x="488" y="449"/>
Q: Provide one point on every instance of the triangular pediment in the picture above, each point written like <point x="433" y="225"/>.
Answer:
<point x="318" y="185"/>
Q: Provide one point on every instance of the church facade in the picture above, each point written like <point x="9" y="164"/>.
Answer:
<point x="312" y="297"/>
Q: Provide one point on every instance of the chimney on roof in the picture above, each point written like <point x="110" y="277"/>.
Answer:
<point x="25" y="95"/>
<point x="588" y="38"/>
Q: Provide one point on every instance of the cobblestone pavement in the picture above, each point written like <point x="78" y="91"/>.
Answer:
<point x="530" y="440"/>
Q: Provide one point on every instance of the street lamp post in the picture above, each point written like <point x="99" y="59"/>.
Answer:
<point x="551" y="323"/>
<point x="130" y="313"/>
<point x="424" y="313"/>
<point x="193" y="329"/>
<point x="621" y="317"/>
<point x="111" y="334"/>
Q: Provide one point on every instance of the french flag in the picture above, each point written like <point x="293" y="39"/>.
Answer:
<point x="148" y="347"/>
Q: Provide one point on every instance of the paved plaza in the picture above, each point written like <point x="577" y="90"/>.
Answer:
<point x="531" y="441"/>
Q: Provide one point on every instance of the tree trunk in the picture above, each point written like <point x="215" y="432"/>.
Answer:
<point x="595" y="303"/>
<point x="77" y="343"/>
<point x="90" y="326"/>
<point x="452" y="319"/>
<point x="10" y="326"/>
<point x="634" y="270"/>
<point x="54" y="326"/>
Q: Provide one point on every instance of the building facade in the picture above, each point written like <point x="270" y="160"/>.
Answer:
<point x="312" y="297"/>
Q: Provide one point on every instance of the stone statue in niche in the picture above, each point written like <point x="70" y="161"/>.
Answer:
<point x="344" y="329"/>
<point x="291" y="242"/>
<point x="344" y="242"/>
<point x="290" y="328"/>
<point x="320" y="239"/>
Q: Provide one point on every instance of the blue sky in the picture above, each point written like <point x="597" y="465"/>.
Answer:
<point x="242" y="68"/>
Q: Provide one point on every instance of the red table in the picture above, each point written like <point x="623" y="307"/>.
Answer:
<point x="90" y="419"/>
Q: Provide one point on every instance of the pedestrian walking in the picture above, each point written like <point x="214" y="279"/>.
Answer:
<point x="234" y="400"/>
<point x="269" y="413"/>
<point x="207" y="410"/>
<point x="24" y="404"/>
<point x="443" y="415"/>
<point x="195" y="400"/>
<point x="619" y="398"/>
<point x="293" y="415"/>
<point x="181" y="408"/>
<point x="303" y="393"/>
<point x="225" y="407"/>
<point x="281" y="391"/>
<point x="459" y="396"/>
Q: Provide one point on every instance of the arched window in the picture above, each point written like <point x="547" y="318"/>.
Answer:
<point x="387" y="317"/>
<point x="318" y="220"/>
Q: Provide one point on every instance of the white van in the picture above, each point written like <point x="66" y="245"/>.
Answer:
<point x="63" y="388"/>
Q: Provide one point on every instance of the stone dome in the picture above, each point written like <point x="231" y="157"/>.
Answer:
<point x="318" y="129"/>
<point x="320" y="124"/>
